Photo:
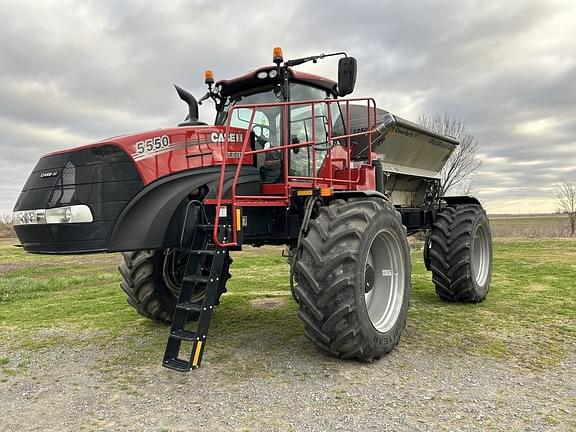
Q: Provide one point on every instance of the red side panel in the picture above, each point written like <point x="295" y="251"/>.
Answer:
<point x="166" y="151"/>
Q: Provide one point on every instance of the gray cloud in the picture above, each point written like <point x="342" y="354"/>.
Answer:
<point x="74" y="72"/>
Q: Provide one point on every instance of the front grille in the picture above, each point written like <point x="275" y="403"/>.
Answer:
<point x="102" y="177"/>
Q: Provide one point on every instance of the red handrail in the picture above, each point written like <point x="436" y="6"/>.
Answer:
<point x="236" y="200"/>
<point x="233" y="188"/>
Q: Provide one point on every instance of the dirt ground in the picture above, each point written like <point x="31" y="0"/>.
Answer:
<point x="258" y="388"/>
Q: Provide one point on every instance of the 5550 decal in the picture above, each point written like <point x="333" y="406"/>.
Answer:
<point x="152" y="145"/>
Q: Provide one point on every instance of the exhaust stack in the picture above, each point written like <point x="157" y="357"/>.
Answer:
<point x="192" y="118"/>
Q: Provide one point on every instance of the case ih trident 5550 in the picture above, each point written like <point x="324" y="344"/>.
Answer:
<point x="287" y="162"/>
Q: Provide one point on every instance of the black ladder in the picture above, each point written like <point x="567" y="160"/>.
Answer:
<point x="195" y="274"/>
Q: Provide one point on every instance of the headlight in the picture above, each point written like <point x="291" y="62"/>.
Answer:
<point x="59" y="215"/>
<point x="262" y="75"/>
<point x="273" y="73"/>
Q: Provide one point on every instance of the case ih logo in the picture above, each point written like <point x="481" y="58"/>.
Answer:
<point x="48" y="174"/>
<point x="232" y="137"/>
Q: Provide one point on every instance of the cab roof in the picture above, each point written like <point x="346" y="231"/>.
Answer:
<point x="249" y="80"/>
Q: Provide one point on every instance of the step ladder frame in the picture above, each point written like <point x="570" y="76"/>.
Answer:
<point x="200" y="247"/>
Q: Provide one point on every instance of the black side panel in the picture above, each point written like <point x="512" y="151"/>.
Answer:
<point x="103" y="177"/>
<point x="360" y="193"/>
<point x="153" y="218"/>
<point x="461" y="199"/>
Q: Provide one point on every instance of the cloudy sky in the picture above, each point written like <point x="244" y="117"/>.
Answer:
<point x="73" y="72"/>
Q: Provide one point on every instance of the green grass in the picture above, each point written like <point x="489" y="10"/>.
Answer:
<point x="529" y="317"/>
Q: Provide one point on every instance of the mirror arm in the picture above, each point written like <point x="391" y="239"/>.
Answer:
<point x="210" y="95"/>
<point x="203" y="98"/>
<point x="314" y="58"/>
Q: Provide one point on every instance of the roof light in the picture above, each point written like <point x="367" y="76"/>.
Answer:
<point x="277" y="56"/>
<point x="209" y="77"/>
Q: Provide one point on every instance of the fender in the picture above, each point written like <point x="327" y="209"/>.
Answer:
<point x="151" y="220"/>
<point x="460" y="199"/>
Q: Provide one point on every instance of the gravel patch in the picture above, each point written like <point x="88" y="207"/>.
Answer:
<point x="294" y="389"/>
<point x="11" y="267"/>
<point x="268" y="303"/>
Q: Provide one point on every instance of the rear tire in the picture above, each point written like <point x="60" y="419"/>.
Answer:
<point x="152" y="278"/>
<point x="426" y="252"/>
<point x="354" y="279"/>
<point x="461" y="253"/>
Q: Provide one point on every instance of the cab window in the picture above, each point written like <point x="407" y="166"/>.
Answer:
<point x="302" y="130"/>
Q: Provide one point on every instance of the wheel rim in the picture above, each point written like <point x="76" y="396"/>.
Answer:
<point x="173" y="273"/>
<point x="480" y="255"/>
<point x="384" y="281"/>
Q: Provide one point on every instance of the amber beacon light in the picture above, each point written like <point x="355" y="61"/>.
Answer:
<point x="277" y="56"/>
<point x="208" y="77"/>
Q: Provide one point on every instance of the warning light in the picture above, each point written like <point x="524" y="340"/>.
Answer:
<point x="209" y="77"/>
<point x="277" y="56"/>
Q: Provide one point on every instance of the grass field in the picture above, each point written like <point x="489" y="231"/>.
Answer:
<point x="530" y="226"/>
<point x="529" y="317"/>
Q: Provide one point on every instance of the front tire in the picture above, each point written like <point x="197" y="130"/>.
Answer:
<point x="354" y="279"/>
<point x="461" y="253"/>
<point x="152" y="279"/>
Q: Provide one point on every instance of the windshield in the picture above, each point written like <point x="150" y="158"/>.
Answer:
<point x="261" y="95"/>
<point x="270" y="94"/>
<point x="299" y="92"/>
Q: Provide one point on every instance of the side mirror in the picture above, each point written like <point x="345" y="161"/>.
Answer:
<point x="346" y="75"/>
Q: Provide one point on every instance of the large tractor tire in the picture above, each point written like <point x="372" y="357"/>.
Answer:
<point x="152" y="280"/>
<point x="354" y="279"/>
<point x="426" y="252"/>
<point x="461" y="253"/>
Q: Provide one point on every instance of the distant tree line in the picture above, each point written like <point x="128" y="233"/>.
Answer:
<point x="566" y="201"/>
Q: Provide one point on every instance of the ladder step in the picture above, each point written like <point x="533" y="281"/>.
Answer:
<point x="189" y="307"/>
<point x="177" y="365"/>
<point x="183" y="334"/>
<point x="196" y="278"/>
<point x="203" y="252"/>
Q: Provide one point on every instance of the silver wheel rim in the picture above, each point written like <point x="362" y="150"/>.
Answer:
<point x="384" y="281"/>
<point x="480" y="255"/>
